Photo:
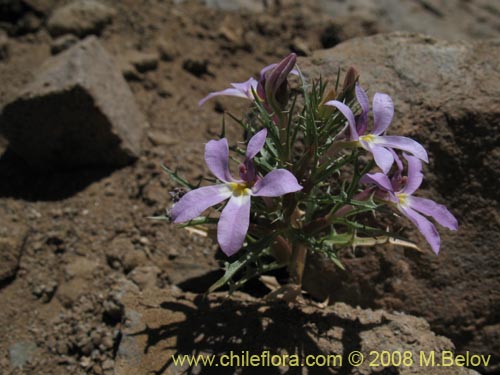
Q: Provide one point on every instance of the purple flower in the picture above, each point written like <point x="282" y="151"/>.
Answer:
<point x="273" y="80"/>
<point x="235" y="217"/>
<point x="398" y="191"/>
<point x="241" y="90"/>
<point x="379" y="145"/>
<point x="277" y="76"/>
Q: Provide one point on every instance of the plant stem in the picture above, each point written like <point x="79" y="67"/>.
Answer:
<point x="281" y="250"/>
<point x="297" y="263"/>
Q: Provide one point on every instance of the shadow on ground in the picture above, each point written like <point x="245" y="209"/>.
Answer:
<point x="237" y="327"/>
<point x="20" y="181"/>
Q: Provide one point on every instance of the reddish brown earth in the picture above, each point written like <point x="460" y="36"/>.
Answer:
<point x="69" y="239"/>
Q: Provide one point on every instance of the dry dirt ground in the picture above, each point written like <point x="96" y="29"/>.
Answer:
<point x="80" y="232"/>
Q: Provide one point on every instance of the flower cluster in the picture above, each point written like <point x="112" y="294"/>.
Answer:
<point x="235" y="217"/>
<point x="396" y="190"/>
<point x="304" y="184"/>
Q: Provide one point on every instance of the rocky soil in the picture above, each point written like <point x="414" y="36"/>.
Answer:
<point x="78" y="253"/>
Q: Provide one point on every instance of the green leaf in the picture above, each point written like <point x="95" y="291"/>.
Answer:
<point x="337" y="262"/>
<point x="336" y="239"/>
<point x="174" y="176"/>
<point x="238" y="121"/>
<point x="160" y="218"/>
<point x="199" y="221"/>
<point x="231" y="270"/>
<point x="250" y="254"/>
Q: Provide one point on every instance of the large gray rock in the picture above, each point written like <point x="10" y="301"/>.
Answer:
<point x="161" y="323"/>
<point x="447" y="97"/>
<point x="81" y="17"/>
<point x="78" y="111"/>
<point x="454" y="20"/>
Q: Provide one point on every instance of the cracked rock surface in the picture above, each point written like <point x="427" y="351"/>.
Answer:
<point x="160" y="323"/>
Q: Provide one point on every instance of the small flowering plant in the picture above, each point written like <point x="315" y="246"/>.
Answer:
<point x="317" y="174"/>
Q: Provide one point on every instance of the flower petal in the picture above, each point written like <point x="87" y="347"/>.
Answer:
<point x="265" y="69"/>
<point x="383" y="111"/>
<point x="438" y="211"/>
<point x="397" y="160"/>
<point x="362" y="98"/>
<point x="362" y="120"/>
<point x="193" y="203"/>
<point x="233" y="224"/>
<point x="256" y="143"/>
<point x="276" y="183"/>
<point x="346" y="111"/>
<point x="424" y="226"/>
<point x="402" y="143"/>
<point x="383" y="157"/>
<point x="226" y="92"/>
<point x="415" y="175"/>
<point x="246" y="87"/>
<point x="217" y="159"/>
<point x="379" y="179"/>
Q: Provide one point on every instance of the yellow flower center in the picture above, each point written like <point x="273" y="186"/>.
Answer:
<point x="367" y="138"/>
<point x="402" y="198"/>
<point x="239" y="189"/>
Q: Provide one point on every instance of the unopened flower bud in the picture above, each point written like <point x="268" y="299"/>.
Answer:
<point x="279" y="74"/>
<point x="273" y="83"/>
<point x="351" y="77"/>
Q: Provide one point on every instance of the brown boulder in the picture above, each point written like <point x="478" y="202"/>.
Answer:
<point x="77" y="112"/>
<point x="446" y="97"/>
<point x="454" y="20"/>
<point x="81" y="17"/>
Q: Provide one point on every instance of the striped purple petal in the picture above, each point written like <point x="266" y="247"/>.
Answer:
<point x="233" y="224"/>
<point x="246" y="87"/>
<point x="379" y="179"/>
<point x="193" y="203"/>
<point x="438" y="211"/>
<point x="226" y="92"/>
<point x="276" y="183"/>
<point x="424" y="226"/>
<point x="362" y="123"/>
<point x="256" y="143"/>
<point x="346" y="111"/>
<point x="239" y="89"/>
<point x="383" y="111"/>
<point x="415" y="175"/>
<point x="362" y="98"/>
<point x="383" y="157"/>
<point x="402" y="143"/>
<point x="217" y="159"/>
